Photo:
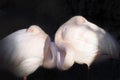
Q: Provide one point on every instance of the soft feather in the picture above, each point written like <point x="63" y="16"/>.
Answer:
<point x="85" y="40"/>
<point x="22" y="52"/>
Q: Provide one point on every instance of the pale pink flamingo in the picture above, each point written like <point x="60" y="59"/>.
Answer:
<point x="23" y="51"/>
<point x="81" y="41"/>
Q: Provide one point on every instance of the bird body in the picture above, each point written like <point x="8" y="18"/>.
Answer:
<point x="84" y="41"/>
<point x="22" y="52"/>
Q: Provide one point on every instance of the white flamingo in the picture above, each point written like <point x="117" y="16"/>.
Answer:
<point x="23" y="51"/>
<point x="81" y="41"/>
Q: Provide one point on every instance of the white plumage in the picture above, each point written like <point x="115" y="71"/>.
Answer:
<point x="81" y="41"/>
<point x="22" y="52"/>
<point x="50" y="55"/>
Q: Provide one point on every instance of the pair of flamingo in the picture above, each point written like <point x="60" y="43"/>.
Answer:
<point x="76" y="41"/>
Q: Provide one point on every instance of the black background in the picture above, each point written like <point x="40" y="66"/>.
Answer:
<point x="49" y="15"/>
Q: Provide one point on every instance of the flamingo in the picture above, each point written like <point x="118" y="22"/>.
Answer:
<point x="23" y="51"/>
<point x="81" y="41"/>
